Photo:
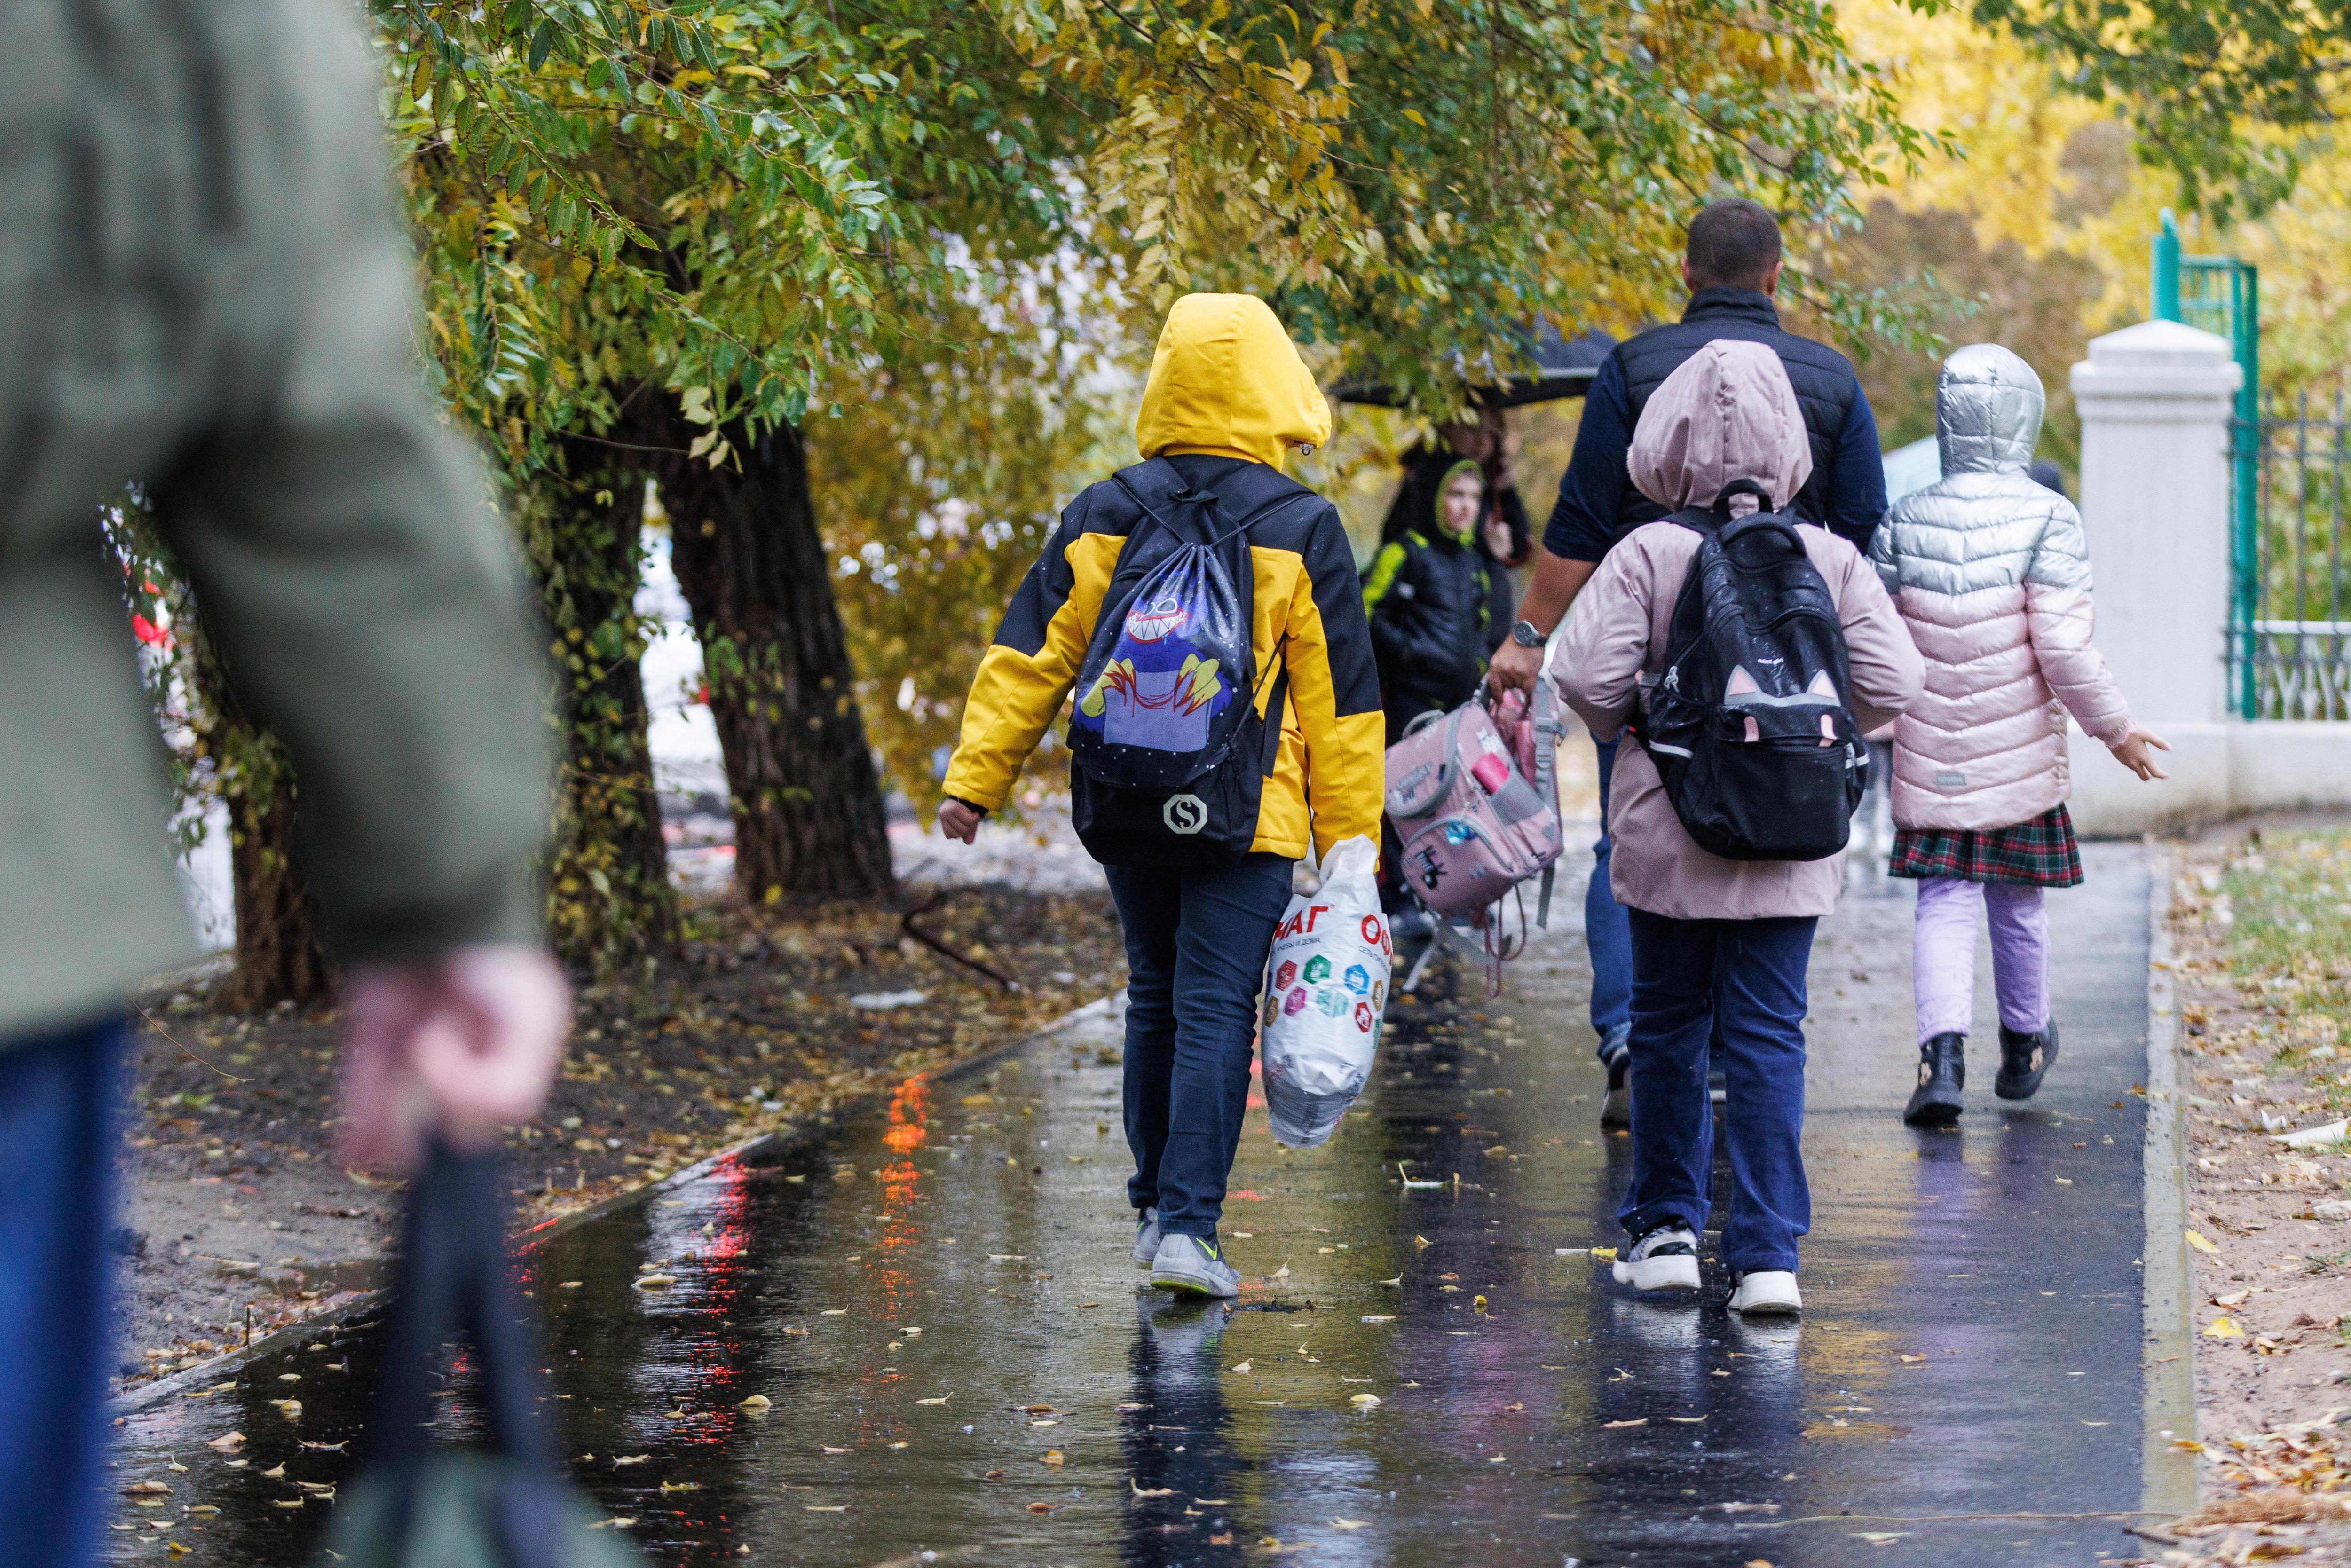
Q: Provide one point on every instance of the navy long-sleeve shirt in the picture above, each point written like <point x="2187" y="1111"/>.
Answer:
<point x="1585" y="522"/>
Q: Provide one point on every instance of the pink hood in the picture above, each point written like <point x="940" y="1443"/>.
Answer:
<point x="1728" y="413"/>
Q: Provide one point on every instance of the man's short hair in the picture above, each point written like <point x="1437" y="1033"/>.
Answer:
<point x="1732" y="244"/>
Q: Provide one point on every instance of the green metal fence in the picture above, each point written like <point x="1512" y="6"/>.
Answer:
<point x="2289" y="643"/>
<point x="2290" y="654"/>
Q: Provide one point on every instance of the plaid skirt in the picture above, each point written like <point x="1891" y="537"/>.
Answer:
<point x="2038" y="853"/>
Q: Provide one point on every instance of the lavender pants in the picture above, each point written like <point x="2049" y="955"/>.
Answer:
<point x="1943" y="954"/>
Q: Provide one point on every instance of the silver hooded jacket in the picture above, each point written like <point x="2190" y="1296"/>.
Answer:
<point x="1991" y="573"/>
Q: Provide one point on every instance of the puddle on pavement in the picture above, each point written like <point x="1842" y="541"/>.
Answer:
<point x="961" y="1359"/>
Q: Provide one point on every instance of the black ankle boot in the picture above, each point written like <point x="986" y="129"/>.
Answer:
<point x="2023" y="1058"/>
<point x="1942" y="1073"/>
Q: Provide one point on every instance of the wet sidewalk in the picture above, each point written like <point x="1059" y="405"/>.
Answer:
<point x="963" y="1366"/>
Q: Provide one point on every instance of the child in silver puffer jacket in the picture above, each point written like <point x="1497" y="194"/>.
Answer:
<point x="1991" y="573"/>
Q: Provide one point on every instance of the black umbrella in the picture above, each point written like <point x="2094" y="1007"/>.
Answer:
<point x="1564" y="367"/>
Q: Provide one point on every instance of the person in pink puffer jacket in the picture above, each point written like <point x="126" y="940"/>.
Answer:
<point x="1991" y="573"/>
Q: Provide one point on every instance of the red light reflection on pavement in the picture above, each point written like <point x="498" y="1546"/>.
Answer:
<point x="721" y="1200"/>
<point x="892" y="1295"/>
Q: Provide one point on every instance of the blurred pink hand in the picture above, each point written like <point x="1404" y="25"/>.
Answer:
<point x="467" y="1043"/>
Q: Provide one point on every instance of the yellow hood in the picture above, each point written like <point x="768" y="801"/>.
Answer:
<point x="1227" y="381"/>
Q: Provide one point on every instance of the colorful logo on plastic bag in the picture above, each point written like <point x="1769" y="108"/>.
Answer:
<point x="1318" y="969"/>
<point x="1359" y="979"/>
<point x="1331" y="1000"/>
<point x="1363" y="1017"/>
<point x="1295" y="1002"/>
<point x="1284" y="975"/>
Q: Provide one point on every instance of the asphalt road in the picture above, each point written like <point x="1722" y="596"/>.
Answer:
<point x="963" y="1366"/>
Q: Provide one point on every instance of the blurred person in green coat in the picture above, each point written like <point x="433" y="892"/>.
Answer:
<point x="203" y="290"/>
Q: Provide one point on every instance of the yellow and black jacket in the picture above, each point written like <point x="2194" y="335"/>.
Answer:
<point x="1227" y="390"/>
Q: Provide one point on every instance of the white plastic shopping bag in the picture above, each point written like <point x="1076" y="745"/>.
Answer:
<point x="1326" y="984"/>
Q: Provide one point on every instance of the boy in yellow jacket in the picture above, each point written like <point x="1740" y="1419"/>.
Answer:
<point x="1227" y="398"/>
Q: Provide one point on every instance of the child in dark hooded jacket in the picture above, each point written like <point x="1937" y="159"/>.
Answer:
<point x="1429" y="595"/>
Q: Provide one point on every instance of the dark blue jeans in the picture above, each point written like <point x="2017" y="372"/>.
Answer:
<point x="1606" y="936"/>
<point x="56" y="1289"/>
<point x="1196" y="940"/>
<point x="1741" y="981"/>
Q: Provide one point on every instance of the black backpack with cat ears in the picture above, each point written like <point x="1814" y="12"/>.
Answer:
<point x="1750" y="724"/>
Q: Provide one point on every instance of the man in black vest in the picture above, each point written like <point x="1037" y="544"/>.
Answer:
<point x="1732" y="268"/>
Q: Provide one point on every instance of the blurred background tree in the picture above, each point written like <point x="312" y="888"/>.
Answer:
<point x="2038" y="229"/>
<point x="2231" y="101"/>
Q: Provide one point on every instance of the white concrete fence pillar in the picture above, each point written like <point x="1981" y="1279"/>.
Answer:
<point x="2155" y="404"/>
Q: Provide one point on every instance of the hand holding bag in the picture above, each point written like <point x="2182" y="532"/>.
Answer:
<point x="414" y="1506"/>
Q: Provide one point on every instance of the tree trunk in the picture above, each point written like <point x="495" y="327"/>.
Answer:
<point x="277" y="956"/>
<point x="808" y="815"/>
<point x="611" y="903"/>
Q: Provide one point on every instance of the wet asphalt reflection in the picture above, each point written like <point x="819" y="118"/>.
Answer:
<point x="964" y="1366"/>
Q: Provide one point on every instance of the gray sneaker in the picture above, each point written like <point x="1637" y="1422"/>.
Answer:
<point x="1147" y="1239"/>
<point x="1616" y="1055"/>
<point x="1189" y="1264"/>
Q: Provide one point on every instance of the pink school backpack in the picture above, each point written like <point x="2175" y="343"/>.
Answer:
<point x="1472" y="824"/>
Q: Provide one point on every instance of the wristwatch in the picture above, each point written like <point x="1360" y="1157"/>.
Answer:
<point x="1524" y="634"/>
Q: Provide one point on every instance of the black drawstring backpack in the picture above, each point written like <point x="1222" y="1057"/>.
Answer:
<point x="1166" y="743"/>
<point x="1750" y="724"/>
<point x="416" y="1506"/>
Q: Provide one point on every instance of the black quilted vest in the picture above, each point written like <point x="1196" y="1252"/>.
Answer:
<point x="1822" y="379"/>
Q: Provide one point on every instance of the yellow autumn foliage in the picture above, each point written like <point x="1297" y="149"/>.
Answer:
<point x="2054" y="176"/>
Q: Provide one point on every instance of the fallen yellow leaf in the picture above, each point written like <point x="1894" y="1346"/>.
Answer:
<point x="2195" y="1239"/>
<point x="757" y="1404"/>
<point x="2223" y="1327"/>
<point x="1350" y="1523"/>
<point x="1364" y="1400"/>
